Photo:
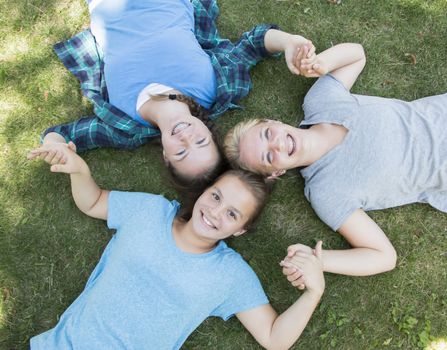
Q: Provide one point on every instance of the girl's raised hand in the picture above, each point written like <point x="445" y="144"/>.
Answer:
<point x="61" y="156"/>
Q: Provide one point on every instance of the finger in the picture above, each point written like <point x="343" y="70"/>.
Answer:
<point x="49" y="157"/>
<point x="58" y="168"/>
<point x="294" y="276"/>
<point x="72" y="146"/>
<point x="43" y="155"/>
<point x="311" y="51"/>
<point x="301" y="287"/>
<point x="57" y="157"/>
<point x="291" y="250"/>
<point x="318" y="249"/>
<point x="296" y="283"/>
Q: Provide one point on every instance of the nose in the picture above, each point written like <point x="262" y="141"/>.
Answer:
<point x="215" y="212"/>
<point x="277" y="144"/>
<point x="187" y="136"/>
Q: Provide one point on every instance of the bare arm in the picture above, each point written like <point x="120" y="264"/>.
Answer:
<point x="371" y="251"/>
<point x="275" y="331"/>
<point x="89" y="198"/>
<point x="344" y="61"/>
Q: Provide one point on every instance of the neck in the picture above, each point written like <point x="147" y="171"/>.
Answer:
<point x="187" y="240"/>
<point x="315" y="144"/>
<point x="319" y="140"/>
<point x="163" y="114"/>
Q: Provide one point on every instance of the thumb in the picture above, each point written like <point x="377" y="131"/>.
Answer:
<point x="318" y="249"/>
<point x="291" y="250"/>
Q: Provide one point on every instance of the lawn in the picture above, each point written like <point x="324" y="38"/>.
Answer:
<point x="48" y="248"/>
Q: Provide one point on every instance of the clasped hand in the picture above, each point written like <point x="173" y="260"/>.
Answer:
<point x="303" y="267"/>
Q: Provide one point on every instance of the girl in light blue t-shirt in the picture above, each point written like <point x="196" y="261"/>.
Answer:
<point x="164" y="272"/>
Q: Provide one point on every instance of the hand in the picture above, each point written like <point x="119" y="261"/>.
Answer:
<point x="61" y="156"/>
<point x="51" y="155"/>
<point x="294" y="275"/>
<point x="295" y="45"/>
<point x="312" y="268"/>
<point x="312" y="66"/>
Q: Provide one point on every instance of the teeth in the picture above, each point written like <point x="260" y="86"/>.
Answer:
<point x="209" y="223"/>
<point x="179" y="127"/>
<point x="291" y="143"/>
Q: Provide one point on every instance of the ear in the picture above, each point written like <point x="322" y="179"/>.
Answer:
<point x="165" y="158"/>
<point x="276" y="174"/>
<point x="238" y="233"/>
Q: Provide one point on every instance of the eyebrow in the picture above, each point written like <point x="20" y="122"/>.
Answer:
<point x="233" y="208"/>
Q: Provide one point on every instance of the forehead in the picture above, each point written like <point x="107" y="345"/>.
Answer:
<point x="236" y="194"/>
<point x="198" y="160"/>
<point x="251" y="147"/>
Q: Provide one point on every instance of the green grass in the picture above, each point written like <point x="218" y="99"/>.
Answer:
<point x="48" y="248"/>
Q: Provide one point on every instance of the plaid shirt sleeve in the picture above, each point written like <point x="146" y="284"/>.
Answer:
<point x="231" y="61"/>
<point x="92" y="132"/>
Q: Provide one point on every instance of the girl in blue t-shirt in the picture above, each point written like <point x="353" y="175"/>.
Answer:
<point x="164" y="272"/>
<point x="165" y="67"/>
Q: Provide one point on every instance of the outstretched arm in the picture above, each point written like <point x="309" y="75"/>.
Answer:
<point x="275" y="331"/>
<point x="344" y="61"/>
<point x="89" y="198"/>
<point x="371" y="251"/>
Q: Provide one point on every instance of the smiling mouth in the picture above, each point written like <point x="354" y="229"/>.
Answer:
<point x="179" y="127"/>
<point x="207" y="221"/>
<point x="291" y="145"/>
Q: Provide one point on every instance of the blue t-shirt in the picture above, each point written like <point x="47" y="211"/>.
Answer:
<point x="145" y="293"/>
<point x="148" y="42"/>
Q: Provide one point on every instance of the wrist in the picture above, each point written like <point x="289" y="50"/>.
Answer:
<point x="315" y="293"/>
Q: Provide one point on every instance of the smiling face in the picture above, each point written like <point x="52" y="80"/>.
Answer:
<point x="270" y="147"/>
<point x="223" y="209"/>
<point x="189" y="147"/>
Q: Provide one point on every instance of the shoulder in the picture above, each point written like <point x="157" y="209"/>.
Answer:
<point x="236" y="268"/>
<point x="332" y="204"/>
<point x="326" y="94"/>
<point x="139" y="201"/>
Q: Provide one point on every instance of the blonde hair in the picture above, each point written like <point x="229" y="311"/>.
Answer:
<point x="232" y="143"/>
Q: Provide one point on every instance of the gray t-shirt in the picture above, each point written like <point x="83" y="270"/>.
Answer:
<point x="394" y="153"/>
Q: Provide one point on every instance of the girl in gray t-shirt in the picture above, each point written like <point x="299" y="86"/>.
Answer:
<point x="357" y="153"/>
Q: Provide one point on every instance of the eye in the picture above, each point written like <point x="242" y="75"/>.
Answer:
<point x="269" y="157"/>
<point x="267" y="133"/>
<point x="201" y="141"/>
<point x="215" y="196"/>
<point x="232" y="214"/>
<point x="181" y="152"/>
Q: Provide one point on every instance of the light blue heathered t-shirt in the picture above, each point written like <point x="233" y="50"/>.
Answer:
<point x="394" y="153"/>
<point x="145" y="293"/>
<point x="148" y="42"/>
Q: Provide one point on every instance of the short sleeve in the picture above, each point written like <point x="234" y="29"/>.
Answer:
<point x="245" y="292"/>
<point x="333" y="209"/>
<point x="328" y="97"/>
<point x="123" y="206"/>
